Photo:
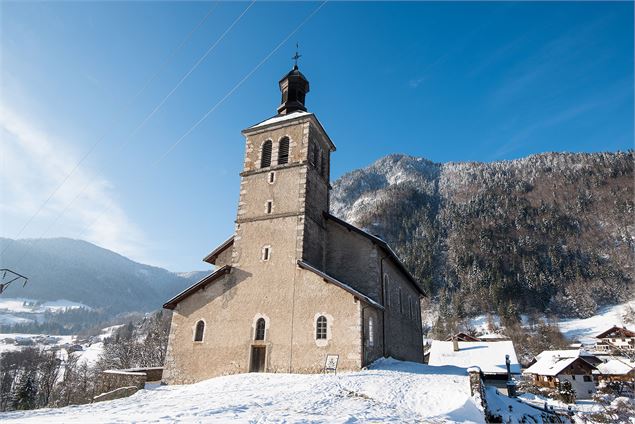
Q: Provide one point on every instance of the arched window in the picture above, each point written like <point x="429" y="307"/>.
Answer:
<point x="283" y="151"/>
<point x="265" y="158"/>
<point x="320" y="328"/>
<point x="200" y="329"/>
<point x="260" y="329"/>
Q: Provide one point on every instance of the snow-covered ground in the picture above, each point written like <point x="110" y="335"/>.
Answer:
<point x="33" y="306"/>
<point x="21" y="310"/>
<point x="390" y="391"/>
<point x="586" y="329"/>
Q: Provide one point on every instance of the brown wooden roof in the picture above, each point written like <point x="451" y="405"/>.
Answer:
<point x="171" y="304"/>
<point x="462" y="337"/>
<point x="214" y="254"/>
<point x="384" y="246"/>
<point x="616" y="331"/>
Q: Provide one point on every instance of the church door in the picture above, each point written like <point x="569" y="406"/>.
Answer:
<point x="258" y="354"/>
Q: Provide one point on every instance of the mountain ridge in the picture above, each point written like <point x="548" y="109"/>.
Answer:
<point x="551" y="232"/>
<point x="80" y="271"/>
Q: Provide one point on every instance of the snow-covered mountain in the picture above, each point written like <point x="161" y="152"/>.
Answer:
<point x="553" y="232"/>
<point x="82" y="272"/>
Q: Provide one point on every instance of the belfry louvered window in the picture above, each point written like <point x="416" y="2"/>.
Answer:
<point x="320" y="328"/>
<point x="283" y="151"/>
<point x="265" y="158"/>
<point x="260" y="329"/>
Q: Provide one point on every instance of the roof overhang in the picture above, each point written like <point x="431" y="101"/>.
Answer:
<point x="214" y="254"/>
<point x="623" y="331"/>
<point x="383" y="245"/>
<point x="171" y="304"/>
<point x="340" y="284"/>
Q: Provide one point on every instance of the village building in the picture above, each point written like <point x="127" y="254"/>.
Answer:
<point x="617" y="340"/>
<point x="554" y="367"/>
<point x="294" y="283"/>
<point x="490" y="357"/>
<point x="462" y="337"/>
<point x="616" y="369"/>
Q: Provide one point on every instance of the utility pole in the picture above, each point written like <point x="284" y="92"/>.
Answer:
<point x="7" y="277"/>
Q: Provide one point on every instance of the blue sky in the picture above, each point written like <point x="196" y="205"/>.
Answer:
<point x="446" y="81"/>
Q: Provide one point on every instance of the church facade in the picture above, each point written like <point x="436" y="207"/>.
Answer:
<point x="294" y="283"/>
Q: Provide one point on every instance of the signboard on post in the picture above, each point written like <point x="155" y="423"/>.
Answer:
<point x="331" y="363"/>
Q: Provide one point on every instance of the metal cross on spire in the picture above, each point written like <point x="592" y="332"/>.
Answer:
<point x="297" y="55"/>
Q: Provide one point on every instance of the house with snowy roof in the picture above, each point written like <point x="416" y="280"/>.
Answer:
<point x="554" y="367"/>
<point x="616" y="339"/>
<point x="615" y="369"/>
<point x="490" y="357"/>
<point x="294" y="283"/>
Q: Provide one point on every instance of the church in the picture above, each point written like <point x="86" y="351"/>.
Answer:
<point x="294" y="283"/>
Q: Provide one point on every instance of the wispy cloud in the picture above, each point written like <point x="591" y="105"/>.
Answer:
<point x="34" y="163"/>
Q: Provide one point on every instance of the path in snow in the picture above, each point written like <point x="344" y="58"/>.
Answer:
<point x="391" y="391"/>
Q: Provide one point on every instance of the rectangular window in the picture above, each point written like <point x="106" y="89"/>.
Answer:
<point x="269" y="206"/>
<point x="573" y="377"/>
<point x="386" y="291"/>
<point x="272" y="177"/>
<point x="400" y="302"/>
<point x="266" y="253"/>
<point x="587" y="378"/>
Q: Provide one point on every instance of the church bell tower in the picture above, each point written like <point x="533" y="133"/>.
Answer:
<point x="284" y="188"/>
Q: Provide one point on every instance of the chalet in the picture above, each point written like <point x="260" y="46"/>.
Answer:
<point x="554" y="367"/>
<point x="616" y="339"/>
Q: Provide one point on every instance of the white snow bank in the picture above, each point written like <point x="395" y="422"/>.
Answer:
<point x="390" y="391"/>
<point x="586" y="329"/>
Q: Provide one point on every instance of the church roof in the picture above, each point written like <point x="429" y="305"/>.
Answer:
<point x="381" y="243"/>
<point x="211" y="257"/>
<point x="171" y="304"/>
<point x="341" y="285"/>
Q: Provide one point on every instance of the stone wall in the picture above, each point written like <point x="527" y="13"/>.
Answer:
<point x="114" y="384"/>
<point x="110" y="380"/>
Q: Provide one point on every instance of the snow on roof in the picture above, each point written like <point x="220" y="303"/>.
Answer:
<point x="615" y="367"/>
<point x="281" y="118"/>
<point x="569" y="353"/>
<point x="550" y="365"/>
<point x="488" y="356"/>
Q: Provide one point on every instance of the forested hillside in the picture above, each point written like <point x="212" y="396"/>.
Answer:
<point x="549" y="233"/>
<point x="79" y="271"/>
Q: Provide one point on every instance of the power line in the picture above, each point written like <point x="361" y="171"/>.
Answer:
<point x="125" y="109"/>
<point x="222" y="100"/>
<point x="212" y="109"/>
<point x="146" y="119"/>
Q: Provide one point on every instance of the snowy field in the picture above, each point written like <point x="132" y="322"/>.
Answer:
<point x="21" y="310"/>
<point x="391" y="391"/>
<point x="586" y="329"/>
